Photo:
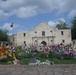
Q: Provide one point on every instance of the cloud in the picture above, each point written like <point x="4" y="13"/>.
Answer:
<point x="54" y="23"/>
<point x="51" y="23"/>
<point x="13" y="30"/>
<point x="3" y="15"/>
<point x="29" y="8"/>
<point x="26" y="12"/>
<point x="7" y="27"/>
<point x="72" y="14"/>
<point x="61" y="19"/>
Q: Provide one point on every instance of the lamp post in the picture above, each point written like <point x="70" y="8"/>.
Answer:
<point x="51" y="49"/>
<point x="52" y="37"/>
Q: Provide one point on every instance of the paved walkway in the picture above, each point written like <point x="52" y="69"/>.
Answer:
<point x="38" y="70"/>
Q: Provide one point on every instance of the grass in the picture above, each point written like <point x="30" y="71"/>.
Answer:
<point x="41" y="56"/>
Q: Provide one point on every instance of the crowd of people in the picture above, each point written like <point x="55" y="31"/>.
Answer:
<point x="59" y="49"/>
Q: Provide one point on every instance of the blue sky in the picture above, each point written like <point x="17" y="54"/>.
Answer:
<point x="26" y="14"/>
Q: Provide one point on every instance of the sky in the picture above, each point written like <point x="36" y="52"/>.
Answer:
<point x="27" y="14"/>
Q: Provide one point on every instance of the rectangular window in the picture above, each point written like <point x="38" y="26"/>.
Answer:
<point x="43" y="33"/>
<point x="63" y="41"/>
<point x="62" y="33"/>
<point x="51" y="31"/>
<point x="24" y="42"/>
<point x="24" y="34"/>
<point x="51" y="40"/>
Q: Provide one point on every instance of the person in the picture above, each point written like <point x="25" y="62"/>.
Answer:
<point x="46" y="51"/>
<point x="24" y="47"/>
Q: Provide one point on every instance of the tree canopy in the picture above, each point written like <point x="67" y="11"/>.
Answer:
<point x="3" y="35"/>
<point x="62" y="25"/>
<point x="73" y="27"/>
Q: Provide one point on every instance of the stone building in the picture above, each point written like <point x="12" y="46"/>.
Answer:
<point x="43" y="34"/>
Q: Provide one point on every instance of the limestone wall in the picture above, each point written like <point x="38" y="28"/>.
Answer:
<point x="35" y="34"/>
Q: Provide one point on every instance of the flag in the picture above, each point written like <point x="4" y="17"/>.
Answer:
<point x="11" y="25"/>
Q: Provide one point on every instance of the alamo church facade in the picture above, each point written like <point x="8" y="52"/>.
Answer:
<point x="43" y="33"/>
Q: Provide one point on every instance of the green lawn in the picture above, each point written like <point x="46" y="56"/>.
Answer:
<point x="41" y="56"/>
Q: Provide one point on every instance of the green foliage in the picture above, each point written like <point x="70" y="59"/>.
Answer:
<point x="18" y="49"/>
<point x="3" y="35"/>
<point x="5" y="60"/>
<point x="73" y="27"/>
<point x="62" y="25"/>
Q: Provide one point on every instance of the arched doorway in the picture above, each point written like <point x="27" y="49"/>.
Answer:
<point x="44" y="43"/>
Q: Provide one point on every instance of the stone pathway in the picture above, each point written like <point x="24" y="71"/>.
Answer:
<point x="38" y="70"/>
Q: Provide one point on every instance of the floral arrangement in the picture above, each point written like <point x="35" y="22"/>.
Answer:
<point x="36" y="61"/>
<point x="3" y="52"/>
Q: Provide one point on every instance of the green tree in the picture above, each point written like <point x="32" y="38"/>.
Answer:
<point x="62" y="25"/>
<point x="73" y="28"/>
<point x="3" y="35"/>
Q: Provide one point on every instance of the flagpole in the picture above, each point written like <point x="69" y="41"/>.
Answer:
<point x="12" y="31"/>
<point x="12" y="41"/>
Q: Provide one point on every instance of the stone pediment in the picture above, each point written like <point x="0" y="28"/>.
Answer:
<point x="44" y="26"/>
